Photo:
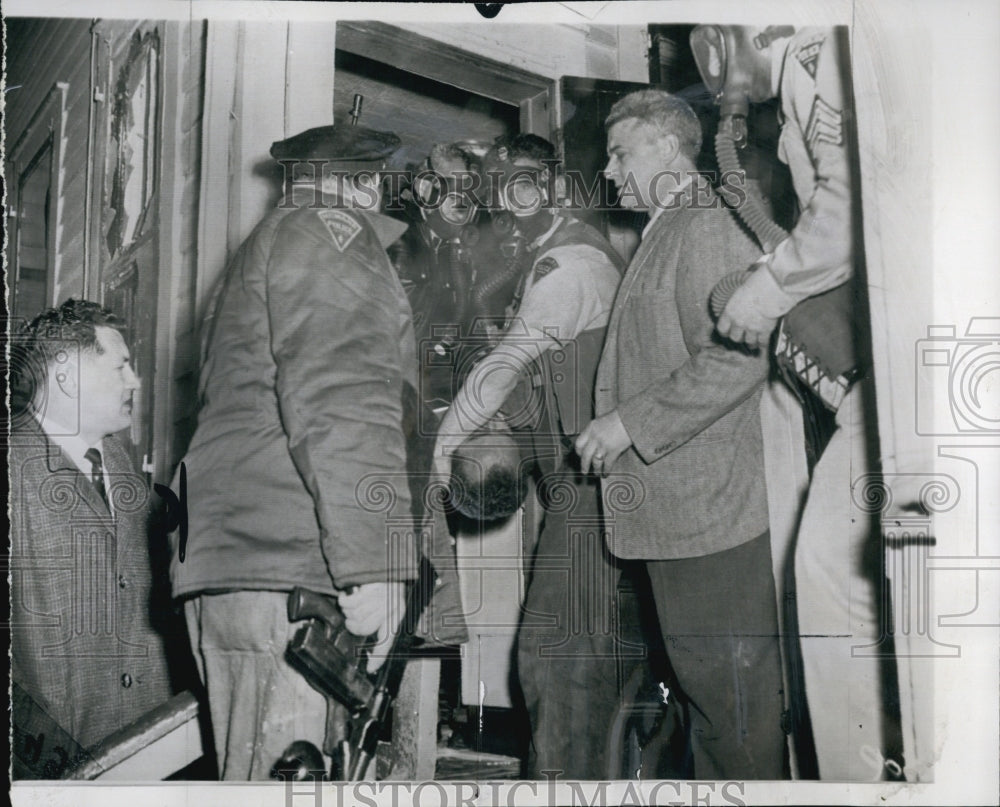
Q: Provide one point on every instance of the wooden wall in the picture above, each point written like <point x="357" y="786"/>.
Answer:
<point x="41" y="53"/>
<point x="177" y="347"/>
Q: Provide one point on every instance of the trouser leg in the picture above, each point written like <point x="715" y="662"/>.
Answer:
<point x="838" y="585"/>
<point x="258" y="704"/>
<point x="566" y="643"/>
<point x="719" y="622"/>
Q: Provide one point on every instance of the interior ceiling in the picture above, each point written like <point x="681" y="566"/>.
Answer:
<point x="420" y="110"/>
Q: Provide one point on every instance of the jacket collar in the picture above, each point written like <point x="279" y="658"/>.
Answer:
<point x="30" y="432"/>
<point x="387" y="229"/>
<point x="72" y="446"/>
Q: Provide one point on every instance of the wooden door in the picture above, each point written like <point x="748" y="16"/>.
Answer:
<point x="130" y="132"/>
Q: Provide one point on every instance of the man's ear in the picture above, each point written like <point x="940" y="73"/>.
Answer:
<point x="669" y="146"/>
<point x="66" y="376"/>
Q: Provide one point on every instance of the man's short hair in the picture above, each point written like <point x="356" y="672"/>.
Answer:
<point x="447" y="158"/>
<point x="667" y="113"/>
<point x="54" y="333"/>
<point x="526" y="146"/>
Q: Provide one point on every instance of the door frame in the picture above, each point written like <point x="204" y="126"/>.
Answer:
<point x="531" y="93"/>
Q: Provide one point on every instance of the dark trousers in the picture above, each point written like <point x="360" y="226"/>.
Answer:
<point x="566" y="642"/>
<point x="719" y="622"/>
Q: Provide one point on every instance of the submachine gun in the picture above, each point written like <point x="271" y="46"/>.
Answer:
<point x="335" y="662"/>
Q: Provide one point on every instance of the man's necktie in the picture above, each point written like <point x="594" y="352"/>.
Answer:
<point x="97" y="472"/>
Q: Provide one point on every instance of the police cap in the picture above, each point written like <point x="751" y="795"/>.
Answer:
<point x="355" y="144"/>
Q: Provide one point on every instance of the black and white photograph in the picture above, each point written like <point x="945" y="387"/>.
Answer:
<point x="585" y="403"/>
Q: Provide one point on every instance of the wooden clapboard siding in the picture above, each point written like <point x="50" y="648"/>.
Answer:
<point x="40" y="54"/>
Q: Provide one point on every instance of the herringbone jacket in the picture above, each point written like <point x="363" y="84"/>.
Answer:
<point x="82" y="638"/>
<point x="692" y="483"/>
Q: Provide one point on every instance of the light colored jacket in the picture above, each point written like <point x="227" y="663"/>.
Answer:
<point x="692" y="483"/>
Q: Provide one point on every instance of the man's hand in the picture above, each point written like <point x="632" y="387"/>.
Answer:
<point x="374" y="607"/>
<point x="743" y="321"/>
<point x="443" y="449"/>
<point x="602" y="443"/>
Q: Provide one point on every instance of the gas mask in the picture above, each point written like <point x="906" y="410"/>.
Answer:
<point x="448" y="211"/>
<point x="520" y="197"/>
<point x="735" y="65"/>
<point x="735" y="69"/>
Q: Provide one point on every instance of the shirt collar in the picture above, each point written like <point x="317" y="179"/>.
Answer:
<point x="72" y="445"/>
<point x="658" y="211"/>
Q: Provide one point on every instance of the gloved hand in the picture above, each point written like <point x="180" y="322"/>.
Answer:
<point x="371" y="608"/>
<point x="754" y="308"/>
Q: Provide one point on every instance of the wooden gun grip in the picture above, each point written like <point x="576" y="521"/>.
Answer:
<point x="306" y="604"/>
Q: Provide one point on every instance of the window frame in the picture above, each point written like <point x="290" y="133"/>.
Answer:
<point x="45" y="130"/>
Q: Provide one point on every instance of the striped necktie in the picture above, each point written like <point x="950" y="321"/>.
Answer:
<point x="97" y="473"/>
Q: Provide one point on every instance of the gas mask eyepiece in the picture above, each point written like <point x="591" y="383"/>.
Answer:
<point x="708" y="44"/>
<point x="446" y="210"/>
<point x="522" y="195"/>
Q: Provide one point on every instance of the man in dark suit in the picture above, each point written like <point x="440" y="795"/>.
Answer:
<point x="679" y="422"/>
<point x="84" y="650"/>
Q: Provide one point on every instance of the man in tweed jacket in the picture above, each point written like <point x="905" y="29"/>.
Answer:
<point x="83" y="648"/>
<point x="678" y="423"/>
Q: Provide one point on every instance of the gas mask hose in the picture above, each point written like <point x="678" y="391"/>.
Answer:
<point x="753" y="214"/>
<point x="512" y="248"/>
<point x="512" y="268"/>
<point x="458" y="274"/>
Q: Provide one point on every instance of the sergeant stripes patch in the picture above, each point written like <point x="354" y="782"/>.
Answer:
<point x="826" y="124"/>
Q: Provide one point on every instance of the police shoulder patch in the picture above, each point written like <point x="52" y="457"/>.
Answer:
<point x="544" y="266"/>
<point x="808" y="54"/>
<point x="342" y="226"/>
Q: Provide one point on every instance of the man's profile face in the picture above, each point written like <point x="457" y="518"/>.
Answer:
<point x="636" y="163"/>
<point x="107" y="382"/>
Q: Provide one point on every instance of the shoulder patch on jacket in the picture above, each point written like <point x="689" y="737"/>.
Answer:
<point x="343" y="227"/>
<point x="808" y="54"/>
<point x="544" y="266"/>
